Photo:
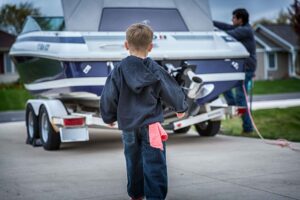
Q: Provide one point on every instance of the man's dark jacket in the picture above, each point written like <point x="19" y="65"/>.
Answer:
<point x="245" y="35"/>
<point x="134" y="92"/>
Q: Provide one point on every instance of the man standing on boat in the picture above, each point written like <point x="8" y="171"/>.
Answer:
<point x="241" y="31"/>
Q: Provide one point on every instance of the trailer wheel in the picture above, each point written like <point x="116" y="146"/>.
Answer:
<point x="49" y="137"/>
<point x="32" y="125"/>
<point x="182" y="130"/>
<point x="208" y="128"/>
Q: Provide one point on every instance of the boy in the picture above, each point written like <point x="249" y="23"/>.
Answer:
<point x="133" y="96"/>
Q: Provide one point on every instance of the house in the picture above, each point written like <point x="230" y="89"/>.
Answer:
<point x="8" y="72"/>
<point x="278" y="51"/>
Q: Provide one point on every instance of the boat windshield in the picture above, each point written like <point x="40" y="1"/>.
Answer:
<point x="118" y="19"/>
<point x="43" y="24"/>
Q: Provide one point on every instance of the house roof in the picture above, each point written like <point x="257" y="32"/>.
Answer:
<point x="266" y="42"/>
<point x="6" y="40"/>
<point x="286" y="32"/>
<point x="277" y="36"/>
<point x="259" y="46"/>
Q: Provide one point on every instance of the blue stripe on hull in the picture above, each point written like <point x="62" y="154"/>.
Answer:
<point x="219" y="88"/>
<point x="86" y="69"/>
<point x="39" y="70"/>
<point x="100" y="69"/>
<point x="215" y="67"/>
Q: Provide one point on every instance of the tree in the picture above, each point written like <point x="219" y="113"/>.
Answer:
<point x="294" y="12"/>
<point x="15" y="15"/>
<point x="262" y="21"/>
<point x="283" y="18"/>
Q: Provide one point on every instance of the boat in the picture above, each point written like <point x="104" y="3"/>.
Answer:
<point x="73" y="55"/>
<point x="69" y="58"/>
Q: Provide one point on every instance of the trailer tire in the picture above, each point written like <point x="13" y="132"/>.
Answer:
<point x="182" y="130"/>
<point x="32" y="125"/>
<point x="208" y="128"/>
<point x="49" y="137"/>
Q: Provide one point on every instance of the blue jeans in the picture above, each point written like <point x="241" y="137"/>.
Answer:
<point x="240" y="100"/>
<point x="146" y="166"/>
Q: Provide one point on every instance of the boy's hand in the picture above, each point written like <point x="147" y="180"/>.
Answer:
<point x="111" y="125"/>
<point x="180" y="115"/>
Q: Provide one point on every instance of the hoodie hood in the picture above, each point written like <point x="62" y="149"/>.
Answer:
<point x="138" y="73"/>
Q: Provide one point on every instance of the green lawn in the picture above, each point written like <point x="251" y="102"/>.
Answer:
<point x="272" y="124"/>
<point x="276" y="86"/>
<point x="13" y="98"/>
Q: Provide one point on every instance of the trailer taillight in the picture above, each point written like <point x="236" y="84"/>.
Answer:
<point x="241" y="110"/>
<point x="74" y="121"/>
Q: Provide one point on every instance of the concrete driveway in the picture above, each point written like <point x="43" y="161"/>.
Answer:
<point x="221" y="167"/>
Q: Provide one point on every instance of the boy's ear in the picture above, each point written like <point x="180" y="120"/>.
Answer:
<point x="126" y="45"/>
<point x="150" y="47"/>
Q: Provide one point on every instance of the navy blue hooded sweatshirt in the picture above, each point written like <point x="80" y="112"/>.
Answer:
<point x="245" y="35"/>
<point x="134" y="92"/>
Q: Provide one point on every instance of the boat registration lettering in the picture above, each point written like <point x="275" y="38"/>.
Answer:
<point x="43" y="47"/>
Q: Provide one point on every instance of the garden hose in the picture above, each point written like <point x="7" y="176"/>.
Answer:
<point x="250" y="89"/>
<point x="279" y="142"/>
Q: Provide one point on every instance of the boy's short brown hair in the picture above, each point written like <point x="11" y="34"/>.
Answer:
<point x="139" y="36"/>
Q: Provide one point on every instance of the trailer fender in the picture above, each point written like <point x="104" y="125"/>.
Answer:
<point x="55" y="108"/>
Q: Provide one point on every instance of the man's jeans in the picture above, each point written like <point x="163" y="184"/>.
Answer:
<point x="240" y="100"/>
<point x="146" y="166"/>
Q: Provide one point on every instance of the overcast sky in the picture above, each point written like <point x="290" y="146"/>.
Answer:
<point x="221" y="9"/>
